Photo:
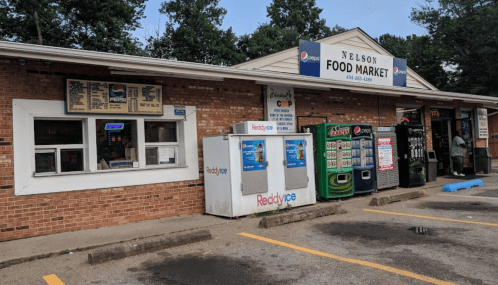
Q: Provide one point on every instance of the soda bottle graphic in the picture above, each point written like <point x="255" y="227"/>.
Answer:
<point x="301" y="151"/>
<point x="260" y="150"/>
<point x="256" y="153"/>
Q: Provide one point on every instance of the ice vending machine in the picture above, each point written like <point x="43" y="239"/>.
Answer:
<point x="363" y="158"/>
<point x="333" y="165"/>
<point x="386" y="153"/>
<point x="411" y="152"/>
<point x="248" y="174"/>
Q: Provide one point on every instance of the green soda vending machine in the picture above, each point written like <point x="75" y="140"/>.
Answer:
<point x="333" y="164"/>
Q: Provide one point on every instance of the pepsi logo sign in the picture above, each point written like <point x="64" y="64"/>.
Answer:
<point x="305" y="57"/>
<point x="359" y="131"/>
<point x="398" y="71"/>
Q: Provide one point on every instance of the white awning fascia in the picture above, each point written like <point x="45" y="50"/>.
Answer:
<point x="139" y="64"/>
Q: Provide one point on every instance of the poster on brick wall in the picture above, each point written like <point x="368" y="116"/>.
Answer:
<point x="100" y="97"/>
<point x="280" y="108"/>
<point x="482" y="123"/>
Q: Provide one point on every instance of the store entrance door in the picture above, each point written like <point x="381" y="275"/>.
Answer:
<point x="441" y="143"/>
<point x="467" y="131"/>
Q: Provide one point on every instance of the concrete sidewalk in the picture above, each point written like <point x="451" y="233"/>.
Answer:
<point x="18" y="251"/>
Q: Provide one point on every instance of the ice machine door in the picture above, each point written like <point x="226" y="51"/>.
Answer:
<point x="254" y="165"/>
<point x="295" y="160"/>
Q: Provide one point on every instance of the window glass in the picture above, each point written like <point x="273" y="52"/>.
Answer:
<point x="45" y="161"/>
<point x="49" y="132"/>
<point x="162" y="155"/>
<point x="71" y="160"/>
<point x="116" y="143"/>
<point x="160" y="132"/>
<point x="412" y="116"/>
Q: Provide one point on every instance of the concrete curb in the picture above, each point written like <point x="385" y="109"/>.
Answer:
<point x="384" y="200"/>
<point x="140" y="247"/>
<point x="304" y="215"/>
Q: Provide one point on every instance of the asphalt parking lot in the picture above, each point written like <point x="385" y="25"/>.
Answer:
<point x="444" y="238"/>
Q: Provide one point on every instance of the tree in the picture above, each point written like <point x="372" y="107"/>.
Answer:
<point x="193" y="33"/>
<point x="301" y="16"/>
<point x="267" y="39"/>
<point x="466" y="34"/>
<point x="421" y="55"/>
<point x="103" y="25"/>
<point x="290" y="21"/>
<point x="34" y="22"/>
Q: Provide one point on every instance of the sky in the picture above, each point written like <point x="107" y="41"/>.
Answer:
<point x="373" y="17"/>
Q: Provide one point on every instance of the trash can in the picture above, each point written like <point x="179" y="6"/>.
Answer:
<point x="482" y="160"/>
<point x="431" y="165"/>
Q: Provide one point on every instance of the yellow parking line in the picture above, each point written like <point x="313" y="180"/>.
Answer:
<point x="350" y="260"/>
<point x="477" y="197"/>
<point x="53" y="280"/>
<point x="432" y="218"/>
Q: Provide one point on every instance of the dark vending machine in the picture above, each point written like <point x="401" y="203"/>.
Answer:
<point x="363" y="158"/>
<point x="411" y="152"/>
<point x="333" y="164"/>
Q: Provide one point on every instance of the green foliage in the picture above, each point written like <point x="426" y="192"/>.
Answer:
<point x="421" y="54"/>
<point x="105" y="25"/>
<point x="290" y="21"/>
<point x="302" y="16"/>
<point x="101" y="25"/>
<point x="193" y="33"/>
<point x="466" y="35"/>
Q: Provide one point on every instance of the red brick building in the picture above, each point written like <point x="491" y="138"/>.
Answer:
<point x="52" y="182"/>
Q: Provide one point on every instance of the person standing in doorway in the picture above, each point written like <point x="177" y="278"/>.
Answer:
<point x="458" y="151"/>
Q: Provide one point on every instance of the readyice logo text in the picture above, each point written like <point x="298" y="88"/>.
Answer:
<point x="216" y="171"/>
<point x="261" y="127"/>
<point x="275" y="199"/>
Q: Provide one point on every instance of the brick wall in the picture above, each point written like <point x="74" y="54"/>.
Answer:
<point x="218" y="104"/>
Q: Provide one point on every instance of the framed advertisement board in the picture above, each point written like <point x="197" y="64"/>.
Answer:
<point x="101" y="97"/>
<point x="385" y="152"/>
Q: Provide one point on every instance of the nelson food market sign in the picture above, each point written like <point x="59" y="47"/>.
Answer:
<point x="345" y="64"/>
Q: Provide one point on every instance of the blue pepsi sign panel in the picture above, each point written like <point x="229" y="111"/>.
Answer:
<point x="295" y="152"/>
<point x="346" y="64"/>
<point x="253" y="155"/>
<point x="309" y="58"/>
<point x="399" y="72"/>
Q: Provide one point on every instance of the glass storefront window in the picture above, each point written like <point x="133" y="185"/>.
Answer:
<point x="161" y="142"/>
<point x="52" y="132"/>
<point x="58" y="146"/>
<point x="45" y="161"/>
<point x="160" y="132"/>
<point x="410" y="116"/>
<point x="116" y="144"/>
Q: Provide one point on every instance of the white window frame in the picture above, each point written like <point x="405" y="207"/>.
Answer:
<point x="179" y="157"/>
<point x="59" y="147"/>
<point x="26" y="182"/>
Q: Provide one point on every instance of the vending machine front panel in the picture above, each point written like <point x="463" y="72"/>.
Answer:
<point x="296" y="173"/>
<point x="254" y="163"/>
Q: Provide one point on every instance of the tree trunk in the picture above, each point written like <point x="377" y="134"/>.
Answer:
<point x="37" y="21"/>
